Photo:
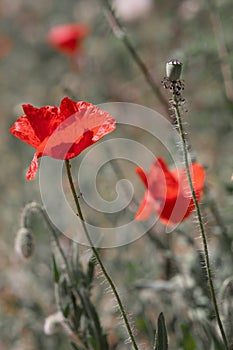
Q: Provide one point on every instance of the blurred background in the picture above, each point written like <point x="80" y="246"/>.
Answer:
<point x="199" y="34"/>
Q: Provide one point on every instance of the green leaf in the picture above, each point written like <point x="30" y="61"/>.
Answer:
<point x="90" y="270"/>
<point x="74" y="346"/>
<point x="187" y="342"/>
<point x="63" y="286"/>
<point x="56" y="274"/>
<point x="161" y="342"/>
<point x="141" y="323"/>
<point x="66" y="311"/>
<point x="214" y="337"/>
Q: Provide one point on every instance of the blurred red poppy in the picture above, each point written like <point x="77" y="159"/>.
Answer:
<point x="61" y="132"/>
<point x="168" y="192"/>
<point x="5" y="46"/>
<point x="67" y="38"/>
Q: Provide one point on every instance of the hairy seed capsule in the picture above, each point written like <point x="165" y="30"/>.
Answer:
<point x="24" y="243"/>
<point x="173" y="69"/>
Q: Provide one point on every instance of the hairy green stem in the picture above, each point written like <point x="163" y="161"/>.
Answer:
<point x="119" y="32"/>
<point x="97" y="257"/>
<point x="199" y="216"/>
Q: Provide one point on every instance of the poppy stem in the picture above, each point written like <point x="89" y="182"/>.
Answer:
<point x="176" y="104"/>
<point x="223" y="54"/>
<point x="97" y="257"/>
<point x="32" y="207"/>
<point x="120" y="33"/>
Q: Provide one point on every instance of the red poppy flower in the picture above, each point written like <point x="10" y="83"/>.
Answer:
<point x="67" y="38"/>
<point x="168" y="192"/>
<point x="61" y="132"/>
<point x="5" y="46"/>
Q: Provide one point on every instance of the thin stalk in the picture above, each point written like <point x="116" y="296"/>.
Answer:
<point x="223" y="53"/>
<point x="35" y="207"/>
<point x="54" y="234"/>
<point x="59" y="307"/>
<point x="30" y="208"/>
<point x="199" y="216"/>
<point x="119" y="32"/>
<point x="97" y="257"/>
<point x="216" y="214"/>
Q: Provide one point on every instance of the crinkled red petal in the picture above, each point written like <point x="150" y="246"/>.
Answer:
<point x="198" y="176"/>
<point x="146" y="207"/>
<point x="43" y="120"/>
<point x="175" y="211"/>
<point x="178" y="210"/>
<point x="162" y="183"/>
<point x="78" y="131"/>
<point x="33" y="168"/>
<point x="69" y="107"/>
<point x="172" y="198"/>
<point x="23" y="130"/>
<point x="86" y="116"/>
<point x="59" y="147"/>
<point x="142" y="175"/>
<point x="64" y="132"/>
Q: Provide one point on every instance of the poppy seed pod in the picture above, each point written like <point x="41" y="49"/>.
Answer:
<point x="24" y="243"/>
<point x="173" y="69"/>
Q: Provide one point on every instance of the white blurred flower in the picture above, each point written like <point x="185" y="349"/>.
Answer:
<point x="130" y="10"/>
<point x="53" y="323"/>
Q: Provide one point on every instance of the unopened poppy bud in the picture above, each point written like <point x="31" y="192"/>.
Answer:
<point x="27" y="211"/>
<point x="53" y="323"/>
<point x="24" y="243"/>
<point x="173" y="69"/>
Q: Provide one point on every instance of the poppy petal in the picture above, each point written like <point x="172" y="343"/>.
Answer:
<point x="146" y="207"/>
<point x="169" y="191"/>
<point x="43" y="120"/>
<point x="162" y="183"/>
<point x="78" y="132"/>
<point x="66" y="150"/>
<point x="23" y="130"/>
<point x="67" y="38"/>
<point x="68" y="107"/>
<point x="33" y="168"/>
<point x="141" y="173"/>
<point x="198" y="176"/>
<point x="175" y="211"/>
<point x="87" y="117"/>
<point x="63" y="132"/>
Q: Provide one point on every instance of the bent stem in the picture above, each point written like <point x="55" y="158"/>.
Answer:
<point x="97" y="257"/>
<point x="199" y="216"/>
<point x="35" y="207"/>
<point x="120" y="33"/>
